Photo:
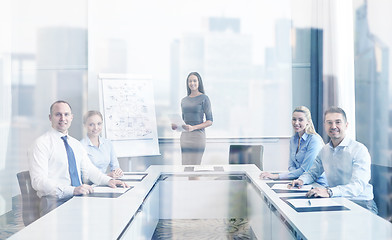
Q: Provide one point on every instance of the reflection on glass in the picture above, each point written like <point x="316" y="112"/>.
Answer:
<point x="245" y="55"/>
<point x="197" y="115"/>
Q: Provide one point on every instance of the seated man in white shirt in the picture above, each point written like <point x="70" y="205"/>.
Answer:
<point x="346" y="163"/>
<point x="57" y="161"/>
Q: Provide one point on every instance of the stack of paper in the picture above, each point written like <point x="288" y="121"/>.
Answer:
<point x="313" y="202"/>
<point x="134" y="177"/>
<point x="200" y="168"/>
<point x="100" y="189"/>
<point x="177" y="120"/>
<point x="283" y="186"/>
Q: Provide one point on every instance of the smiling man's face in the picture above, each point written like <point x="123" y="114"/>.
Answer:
<point x="61" y="117"/>
<point x="335" y="126"/>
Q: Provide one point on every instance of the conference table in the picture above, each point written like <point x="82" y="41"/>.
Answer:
<point x="206" y="192"/>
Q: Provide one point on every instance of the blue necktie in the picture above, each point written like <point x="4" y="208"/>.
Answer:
<point x="73" y="171"/>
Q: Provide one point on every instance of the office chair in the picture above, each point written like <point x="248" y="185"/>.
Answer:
<point x="30" y="200"/>
<point x="246" y="154"/>
<point x="381" y="180"/>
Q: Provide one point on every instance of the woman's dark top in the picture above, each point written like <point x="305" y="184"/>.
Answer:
<point x="194" y="108"/>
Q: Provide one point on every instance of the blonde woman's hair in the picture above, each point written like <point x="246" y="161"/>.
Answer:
<point x="309" y="129"/>
<point x="91" y="113"/>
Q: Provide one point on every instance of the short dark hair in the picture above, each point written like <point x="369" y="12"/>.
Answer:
<point x="336" y="110"/>
<point x="59" y="101"/>
<point x="201" y="87"/>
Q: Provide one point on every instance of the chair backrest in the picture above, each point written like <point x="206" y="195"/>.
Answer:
<point x="246" y="154"/>
<point x="30" y="200"/>
<point x="382" y="185"/>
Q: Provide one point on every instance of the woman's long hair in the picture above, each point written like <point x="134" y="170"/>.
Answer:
<point x="201" y="87"/>
<point x="309" y="129"/>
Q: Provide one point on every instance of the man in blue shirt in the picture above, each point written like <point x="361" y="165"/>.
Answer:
<point x="346" y="163"/>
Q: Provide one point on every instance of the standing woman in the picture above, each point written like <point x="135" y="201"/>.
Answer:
<point x="195" y="106"/>
<point x="304" y="147"/>
<point x="99" y="149"/>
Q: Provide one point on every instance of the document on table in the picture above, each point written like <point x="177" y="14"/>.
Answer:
<point x="313" y="202"/>
<point x="177" y="120"/>
<point x="133" y="177"/>
<point x="201" y="168"/>
<point x="100" y="189"/>
<point x="283" y="186"/>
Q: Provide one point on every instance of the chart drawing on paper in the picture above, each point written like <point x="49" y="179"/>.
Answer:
<point x="127" y="110"/>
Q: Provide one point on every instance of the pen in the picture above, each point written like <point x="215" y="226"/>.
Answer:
<point x="310" y="204"/>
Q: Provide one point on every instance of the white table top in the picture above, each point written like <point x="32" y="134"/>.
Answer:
<point x="105" y="218"/>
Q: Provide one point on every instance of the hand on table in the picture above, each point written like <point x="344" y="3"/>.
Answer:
<point x="113" y="183"/>
<point x="317" y="192"/>
<point x="116" y="173"/>
<point x="295" y="183"/>
<point x="83" y="189"/>
<point x="267" y="175"/>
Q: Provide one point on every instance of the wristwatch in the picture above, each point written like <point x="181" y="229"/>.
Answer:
<point x="330" y="193"/>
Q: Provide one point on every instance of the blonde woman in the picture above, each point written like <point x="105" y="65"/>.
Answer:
<point x="99" y="149"/>
<point x="304" y="147"/>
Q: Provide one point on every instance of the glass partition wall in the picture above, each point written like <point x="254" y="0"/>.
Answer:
<point x="258" y="60"/>
<point x="56" y="49"/>
<point x="242" y="52"/>
<point x="43" y="58"/>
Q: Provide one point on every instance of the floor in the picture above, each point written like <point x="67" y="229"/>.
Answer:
<point x="234" y="228"/>
<point x="12" y="221"/>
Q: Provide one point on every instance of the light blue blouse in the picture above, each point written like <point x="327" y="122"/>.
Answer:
<point x="102" y="156"/>
<point x="301" y="161"/>
<point x="347" y="168"/>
